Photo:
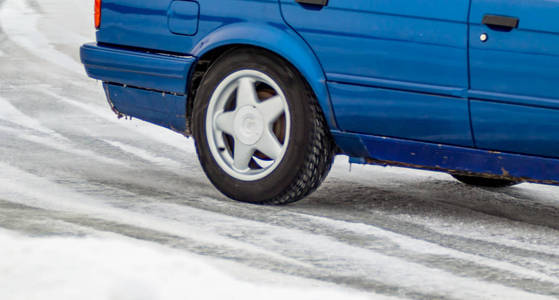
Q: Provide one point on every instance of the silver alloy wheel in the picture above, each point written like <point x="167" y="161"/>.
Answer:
<point x="248" y="125"/>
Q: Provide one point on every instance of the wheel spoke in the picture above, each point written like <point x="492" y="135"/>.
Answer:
<point x="224" y="122"/>
<point x="243" y="131"/>
<point x="271" y="108"/>
<point x="242" y="155"/>
<point x="246" y="93"/>
<point x="269" y="145"/>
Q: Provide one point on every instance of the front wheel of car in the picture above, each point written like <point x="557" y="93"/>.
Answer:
<point x="260" y="134"/>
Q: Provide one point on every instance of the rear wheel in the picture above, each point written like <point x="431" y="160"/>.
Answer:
<point x="484" y="182"/>
<point x="259" y="132"/>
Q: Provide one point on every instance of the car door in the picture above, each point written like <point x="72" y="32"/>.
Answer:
<point x="394" y="68"/>
<point x="514" y="65"/>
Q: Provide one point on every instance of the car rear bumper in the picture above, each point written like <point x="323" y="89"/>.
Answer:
<point x="160" y="72"/>
<point x="148" y="86"/>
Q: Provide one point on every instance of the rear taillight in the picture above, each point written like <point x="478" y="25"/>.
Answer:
<point x="97" y="14"/>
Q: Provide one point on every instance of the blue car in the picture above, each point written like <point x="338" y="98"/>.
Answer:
<point x="272" y="90"/>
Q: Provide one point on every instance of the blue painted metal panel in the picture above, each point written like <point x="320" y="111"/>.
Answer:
<point x="401" y="114"/>
<point x="516" y="66"/>
<point x="408" y="41"/>
<point x="516" y="128"/>
<point x="183" y="17"/>
<point x="446" y="10"/>
<point x="140" y="69"/>
<point x="519" y="63"/>
<point x="162" y="109"/>
<point x="143" y="23"/>
<point x="383" y="150"/>
<point x="138" y="23"/>
<point x="393" y="44"/>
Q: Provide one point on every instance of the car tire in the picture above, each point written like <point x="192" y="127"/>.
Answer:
<point x="484" y="182"/>
<point x="260" y="134"/>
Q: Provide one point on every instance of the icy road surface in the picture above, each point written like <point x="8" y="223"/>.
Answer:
<point x="92" y="207"/>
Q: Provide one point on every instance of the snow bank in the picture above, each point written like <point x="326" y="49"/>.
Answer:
<point x="98" y="269"/>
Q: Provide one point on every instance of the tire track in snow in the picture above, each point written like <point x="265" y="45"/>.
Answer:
<point x="453" y="242"/>
<point x="37" y="222"/>
<point x="101" y="228"/>
<point x="534" y="258"/>
<point x="497" y="274"/>
<point x="27" y="189"/>
<point x="197" y="247"/>
<point x="483" y="250"/>
<point x="519" y="206"/>
<point x="45" y="137"/>
<point x="266" y="263"/>
<point x="432" y="254"/>
<point x="239" y="225"/>
<point x="10" y="113"/>
<point x="156" y="160"/>
<point x="19" y="22"/>
<point x="161" y="135"/>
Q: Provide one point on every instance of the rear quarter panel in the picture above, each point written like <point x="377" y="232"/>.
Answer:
<point x="144" y="24"/>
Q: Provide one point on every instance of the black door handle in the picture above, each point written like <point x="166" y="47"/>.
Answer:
<point x="500" y="21"/>
<point x="313" y="2"/>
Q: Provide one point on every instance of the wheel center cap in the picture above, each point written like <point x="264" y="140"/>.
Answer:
<point x="249" y="125"/>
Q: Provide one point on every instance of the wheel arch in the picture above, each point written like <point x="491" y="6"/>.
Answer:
<point x="279" y="41"/>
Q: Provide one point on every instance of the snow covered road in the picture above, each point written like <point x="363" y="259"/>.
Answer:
<point x="93" y="207"/>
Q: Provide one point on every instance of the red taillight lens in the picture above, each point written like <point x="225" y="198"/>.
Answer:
<point x="97" y="13"/>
